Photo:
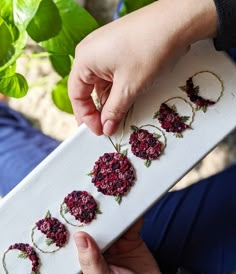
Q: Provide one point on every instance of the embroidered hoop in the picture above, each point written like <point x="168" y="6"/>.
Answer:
<point x="82" y="206"/>
<point x="26" y="252"/>
<point x="193" y="92"/>
<point x="171" y="121"/>
<point x="113" y="175"/>
<point x="146" y="145"/>
<point x="55" y="232"/>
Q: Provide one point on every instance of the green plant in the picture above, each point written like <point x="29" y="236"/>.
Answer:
<point x="57" y="26"/>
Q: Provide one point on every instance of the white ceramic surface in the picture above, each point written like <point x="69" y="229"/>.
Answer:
<point x="66" y="168"/>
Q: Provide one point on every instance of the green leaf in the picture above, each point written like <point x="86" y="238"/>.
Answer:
<point x="24" y="11"/>
<point x="9" y="71"/>
<point x="134" y="128"/>
<point x="125" y="152"/>
<point x="18" y="45"/>
<point x="77" y="23"/>
<point x="156" y="135"/>
<point x="204" y="109"/>
<point x="98" y="211"/>
<point x="90" y="174"/>
<point x="132" y="5"/>
<point x="60" y="96"/>
<point x="62" y="64"/>
<point x="183" y="88"/>
<point x="65" y="209"/>
<point x="23" y="255"/>
<point x="147" y="163"/>
<point x="156" y="115"/>
<point x="174" y="108"/>
<point x="179" y="135"/>
<point x="49" y="242"/>
<point x="6" y="45"/>
<point x="48" y="214"/>
<point x="35" y="272"/>
<point x="19" y="12"/>
<point x="14" y="86"/>
<point x="46" y="23"/>
<point x="184" y="118"/>
<point x="118" y="199"/>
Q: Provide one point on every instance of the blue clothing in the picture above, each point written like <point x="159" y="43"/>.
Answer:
<point x="22" y="148"/>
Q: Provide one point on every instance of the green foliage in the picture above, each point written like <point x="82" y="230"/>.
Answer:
<point x="62" y="64"/>
<point x="58" y="26"/>
<point x="41" y="27"/>
<point x="60" y="96"/>
<point x="76" y="24"/>
<point x="13" y="84"/>
<point x="131" y="5"/>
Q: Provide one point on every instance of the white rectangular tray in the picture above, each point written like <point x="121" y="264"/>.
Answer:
<point x="66" y="168"/>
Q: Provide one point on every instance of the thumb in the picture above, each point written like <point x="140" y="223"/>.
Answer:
<point x="90" y="257"/>
<point x="117" y="105"/>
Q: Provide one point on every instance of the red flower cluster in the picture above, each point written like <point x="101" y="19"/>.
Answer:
<point x="170" y="120"/>
<point x="113" y="174"/>
<point x="145" y="145"/>
<point x="29" y="253"/>
<point x="82" y="206"/>
<point x="54" y="230"/>
<point x="192" y="93"/>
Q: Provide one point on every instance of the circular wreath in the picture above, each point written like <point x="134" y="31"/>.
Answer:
<point x="192" y="92"/>
<point x="171" y="121"/>
<point x="81" y="205"/>
<point x="55" y="232"/>
<point x="113" y="175"/>
<point x="146" y="145"/>
<point x="26" y="252"/>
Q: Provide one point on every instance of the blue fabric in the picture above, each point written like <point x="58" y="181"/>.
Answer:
<point x="22" y="148"/>
<point x="195" y="228"/>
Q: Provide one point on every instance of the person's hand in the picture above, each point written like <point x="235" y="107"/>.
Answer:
<point x="127" y="55"/>
<point x="129" y="255"/>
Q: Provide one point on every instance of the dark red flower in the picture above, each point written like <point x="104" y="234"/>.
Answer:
<point x="113" y="174"/>
<point x="148" y="147"/>
<point x="192" y="93"/>
<point x="82" y="205"/>
<point x="170" y="120"/>
<point x="28" y="252"/>
<point x="54" y="230"/>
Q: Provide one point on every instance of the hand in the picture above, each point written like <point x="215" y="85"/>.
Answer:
<point x="129" y="255"/>
<point x="127" y="55"/>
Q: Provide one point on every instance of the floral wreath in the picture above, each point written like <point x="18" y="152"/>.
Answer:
<point x="146" y="145"/>
<point x="113" y="175"/>
<point x="55" y="232"/>
<point x="81" y="205"/>
<point x="26" y="252"/>
<point x="171" y="121"/>
<point x="192" y="92"/>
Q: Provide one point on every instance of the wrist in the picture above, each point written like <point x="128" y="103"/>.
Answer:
<point x="188" y="21"/>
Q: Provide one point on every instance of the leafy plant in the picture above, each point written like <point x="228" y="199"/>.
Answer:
<point x="57" y="26"/>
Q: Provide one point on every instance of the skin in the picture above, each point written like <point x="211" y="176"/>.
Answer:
<point x="129" y="255"/>
<point x="127" y="56"/>
<point x="122" y="60"/>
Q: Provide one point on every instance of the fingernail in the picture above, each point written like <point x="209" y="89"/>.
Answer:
<point x="109" y="127"/>
<point x="81" y="242"/>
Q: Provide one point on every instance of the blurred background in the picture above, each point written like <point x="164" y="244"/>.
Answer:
<point x="39" y="108"/>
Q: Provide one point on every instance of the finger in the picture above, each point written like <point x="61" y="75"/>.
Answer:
<point x="82" y="103"/>
<point x="117" y="105"/>
<point x="90" y="257"/>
